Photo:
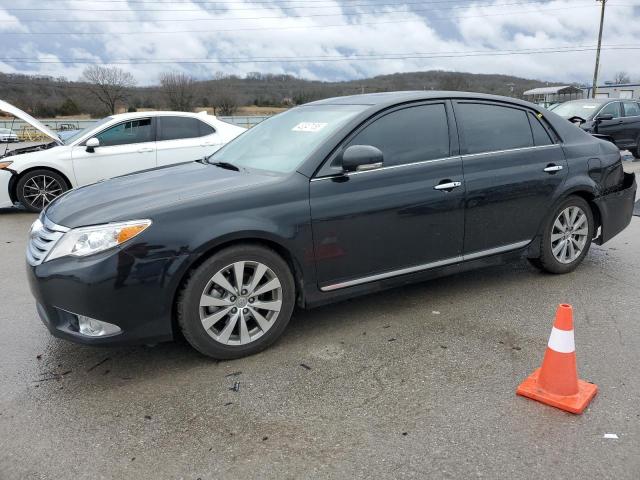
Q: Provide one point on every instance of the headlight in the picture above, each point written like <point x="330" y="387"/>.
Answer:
<point x="83" y="241"/>
<point x="4" y="165"/>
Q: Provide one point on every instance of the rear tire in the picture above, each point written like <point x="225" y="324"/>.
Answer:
<point x="566" y="237"/>
<point x="237" y="303"/>
<point x="38" y="188"/>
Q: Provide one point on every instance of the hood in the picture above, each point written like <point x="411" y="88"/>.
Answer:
<point x="25" y="117"/>
<point x="140" y="195"/>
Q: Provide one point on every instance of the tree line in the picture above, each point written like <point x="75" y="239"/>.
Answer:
<point x="106" y="90"/>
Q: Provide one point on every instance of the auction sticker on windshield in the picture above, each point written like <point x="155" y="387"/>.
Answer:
<point x="311" y="127"/>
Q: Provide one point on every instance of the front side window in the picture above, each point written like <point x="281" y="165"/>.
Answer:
<point x="134" y="131"/>
<point x="490" y="128"/>
<point x="631" y="109"/>
<point x="410" y="135"/>
<point x="176" y="128"/>
<point x="612" y="108"/>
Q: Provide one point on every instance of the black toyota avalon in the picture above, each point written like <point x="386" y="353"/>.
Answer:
<point x="326" y="201"/>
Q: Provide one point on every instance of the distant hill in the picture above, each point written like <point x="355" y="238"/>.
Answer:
<point x="48" y="97"/>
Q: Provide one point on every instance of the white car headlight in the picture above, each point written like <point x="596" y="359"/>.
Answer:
<point x="83" y="241"/>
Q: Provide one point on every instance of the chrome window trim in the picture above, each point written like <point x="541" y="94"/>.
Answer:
<point x="466" y="155"/>
<point x="390" y="167"/>
<point x="508" y="150"/>
<point x="426" y="266"/>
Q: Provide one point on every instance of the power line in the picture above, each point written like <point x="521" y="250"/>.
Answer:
<point x="316" y="59"/>
<point x="271" y="5"/>
<point x="342" y="14"/>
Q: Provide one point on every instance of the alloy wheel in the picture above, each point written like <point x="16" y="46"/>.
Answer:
<point x="569" y="234"/>
<point x="40" y="190"/>
<point x="240" y="303"/>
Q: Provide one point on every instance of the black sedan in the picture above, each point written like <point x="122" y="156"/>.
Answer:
<point x="326" y="201"/>
<point x="615" y="119"/>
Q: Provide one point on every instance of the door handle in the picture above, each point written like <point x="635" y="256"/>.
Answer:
<point x="447" y="185"/>
<point x="553" y="168"/>
<point x="145" y="149"/>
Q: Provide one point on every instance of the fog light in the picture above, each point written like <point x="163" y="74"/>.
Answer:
<point x="96" y="328"/>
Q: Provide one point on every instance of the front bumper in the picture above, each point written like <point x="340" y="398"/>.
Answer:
<point x="130" y="289"/>
<point x="616" y="209"/>
<point x="5" y="199"/>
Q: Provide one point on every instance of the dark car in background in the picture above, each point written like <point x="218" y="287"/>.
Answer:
<point x="617" y="119"/>
<point x="326" y="201"/>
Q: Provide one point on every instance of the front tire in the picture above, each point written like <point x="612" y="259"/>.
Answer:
<point x="237" y="303"/>
<point x="566" y="238"/>
<point x="38" y="188"/>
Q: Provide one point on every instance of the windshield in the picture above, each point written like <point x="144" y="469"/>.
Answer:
<point x="583" y="110"/>
<point x="281" y="143"/>
<point x="4" y="130"/>
<point x="72" y="138"/>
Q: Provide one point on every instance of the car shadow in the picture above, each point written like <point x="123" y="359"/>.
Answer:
<point x="63" y="362"/>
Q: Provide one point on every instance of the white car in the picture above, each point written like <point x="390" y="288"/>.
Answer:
<point x="7" y="135"/>
<point x="114" y="146"/>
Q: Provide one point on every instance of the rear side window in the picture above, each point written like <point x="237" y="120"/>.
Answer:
<point x="410" y="135"/>
<point x="540" y="134"/>
<point x="631" y="109"/>
<point x="176" y="128"/>
<point x="135" y="131"/>
<point x="489" y="128"/>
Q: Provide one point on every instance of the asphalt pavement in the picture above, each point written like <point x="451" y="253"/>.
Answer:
<point x="416" y="382"/>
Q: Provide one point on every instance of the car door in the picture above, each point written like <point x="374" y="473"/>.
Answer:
<point x="631" y="123"/>
<point x="613" y="128"/>
<point x="510" y="178"/>
<point x="126" y="147"/>
<point x="397" y="219"/>
<point x="185" y="139"/>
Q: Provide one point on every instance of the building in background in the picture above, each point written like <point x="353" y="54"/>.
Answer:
<point x="547" y="96"/>
<point x="614" y="90"/>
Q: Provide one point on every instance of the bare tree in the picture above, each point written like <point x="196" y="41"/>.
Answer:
<point x="225" y="102"/>
<point x="179" y="90"/>
<point x="109" y="85"/>
<point x="225" y="97"/>
<point x="621" y="77"/>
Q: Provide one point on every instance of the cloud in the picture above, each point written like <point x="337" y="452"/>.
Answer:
<point x="331" y="28"/>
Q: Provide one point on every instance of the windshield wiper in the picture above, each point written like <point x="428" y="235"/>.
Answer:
<point x="227" y="165"/>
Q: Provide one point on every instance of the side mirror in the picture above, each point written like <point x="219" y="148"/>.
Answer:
<point x="92" y="144"/>
<point x="604" y="116"/>
<point x="361" y="158"/>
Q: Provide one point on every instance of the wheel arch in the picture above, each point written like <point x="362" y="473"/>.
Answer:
<point x="13" y="182"/>
<point x="262" y="241"/>
<point x="584" y="192"/>
<point x="587" y="195"/>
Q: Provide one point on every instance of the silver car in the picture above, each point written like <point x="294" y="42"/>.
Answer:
<point x="7" y="135"/>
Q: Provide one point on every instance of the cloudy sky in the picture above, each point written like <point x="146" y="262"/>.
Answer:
<point x="320" y="39"/>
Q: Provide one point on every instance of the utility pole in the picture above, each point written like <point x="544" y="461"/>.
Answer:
<point x="595" y="72"/>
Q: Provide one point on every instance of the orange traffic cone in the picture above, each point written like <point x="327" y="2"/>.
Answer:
<point x="556" y="383"/>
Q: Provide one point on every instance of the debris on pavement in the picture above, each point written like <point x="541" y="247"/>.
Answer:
<point x="236" y="387"/>
<point x="305" y="366"/>
<point x="612" y="436"/>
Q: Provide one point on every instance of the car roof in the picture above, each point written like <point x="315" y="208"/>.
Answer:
<point x="390" y="98"/>
<point x="156" y="113"/>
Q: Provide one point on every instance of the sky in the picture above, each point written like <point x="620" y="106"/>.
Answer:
<point x="320" y="39"/>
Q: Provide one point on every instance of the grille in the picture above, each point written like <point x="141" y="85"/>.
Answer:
<point x="44" y="235"/>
